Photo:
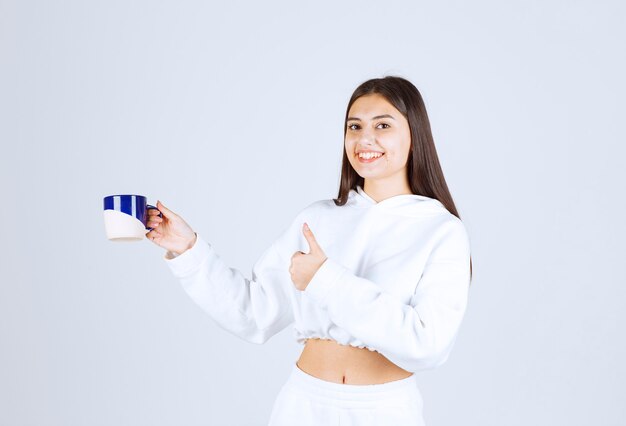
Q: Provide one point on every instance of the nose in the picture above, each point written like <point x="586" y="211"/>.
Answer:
<point x="366" y="137"/>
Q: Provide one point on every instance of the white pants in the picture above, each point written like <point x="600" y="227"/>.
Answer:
<point x="305" y="400"/>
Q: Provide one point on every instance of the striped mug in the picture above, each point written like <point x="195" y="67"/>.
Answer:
<point x="125" y="217"/>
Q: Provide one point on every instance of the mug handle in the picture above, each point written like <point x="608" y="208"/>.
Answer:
<point x="148" y="207"/>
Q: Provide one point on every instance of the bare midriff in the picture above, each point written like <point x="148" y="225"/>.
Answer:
<point x="333" y="362"/>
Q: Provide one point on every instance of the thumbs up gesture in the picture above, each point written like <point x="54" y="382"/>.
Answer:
<point x="305" y="265"/>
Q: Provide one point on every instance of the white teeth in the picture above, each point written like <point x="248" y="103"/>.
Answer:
<point x="368" y="155"/>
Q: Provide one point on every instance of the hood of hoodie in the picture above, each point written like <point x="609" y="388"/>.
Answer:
<point x="403" y="204"/>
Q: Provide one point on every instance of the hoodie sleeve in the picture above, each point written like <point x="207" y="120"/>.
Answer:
<point x="414" y="336"/>
<point x="253" y="309"/>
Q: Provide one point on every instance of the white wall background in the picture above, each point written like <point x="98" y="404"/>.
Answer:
<point x="231" y="114"/>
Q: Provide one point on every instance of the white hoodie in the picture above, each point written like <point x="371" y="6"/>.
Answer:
<point x="396" y="280"/>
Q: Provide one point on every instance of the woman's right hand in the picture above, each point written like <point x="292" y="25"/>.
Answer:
<point x="170" y="231"/>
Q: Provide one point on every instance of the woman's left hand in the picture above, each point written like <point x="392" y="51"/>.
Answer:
<point x="305" y="265"/>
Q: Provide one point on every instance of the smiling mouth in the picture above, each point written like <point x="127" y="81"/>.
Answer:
<point x="371" y="159"/>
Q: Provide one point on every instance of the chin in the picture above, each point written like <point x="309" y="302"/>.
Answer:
<point x="366" y="175"/>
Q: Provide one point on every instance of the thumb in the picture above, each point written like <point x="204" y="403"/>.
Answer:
<point x="167" y="212"/>
<point x="308" y="234"/>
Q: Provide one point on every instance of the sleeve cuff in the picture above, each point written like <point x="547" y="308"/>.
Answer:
<point x="326" y="277"/>
<point x="190" y="260"/>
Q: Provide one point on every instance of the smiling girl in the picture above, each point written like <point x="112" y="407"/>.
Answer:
<point x="375" y="281"/>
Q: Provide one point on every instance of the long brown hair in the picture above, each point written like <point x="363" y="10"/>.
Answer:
<point x="424" y="171"/>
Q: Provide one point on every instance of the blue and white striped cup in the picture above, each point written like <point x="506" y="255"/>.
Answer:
<point x="126" y="216"/>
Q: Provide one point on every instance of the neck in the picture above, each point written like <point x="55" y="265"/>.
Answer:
<point x="381" y="189"/>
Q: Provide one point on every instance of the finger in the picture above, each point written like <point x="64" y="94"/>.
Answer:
<point x="156" y="219"/>
<point x="308" y="234"/>
<point x="165" y="210"/>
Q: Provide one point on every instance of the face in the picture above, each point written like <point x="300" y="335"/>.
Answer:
<point x="375" y="125"/>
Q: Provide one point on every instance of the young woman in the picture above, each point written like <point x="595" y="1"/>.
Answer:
<point x="375" y="281"/>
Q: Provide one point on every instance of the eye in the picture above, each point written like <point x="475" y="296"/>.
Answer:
<point x="384" y="124"/>
<point x="352" y="126"/>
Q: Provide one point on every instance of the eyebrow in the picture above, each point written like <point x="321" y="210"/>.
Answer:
<point x="373" y="118"/>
